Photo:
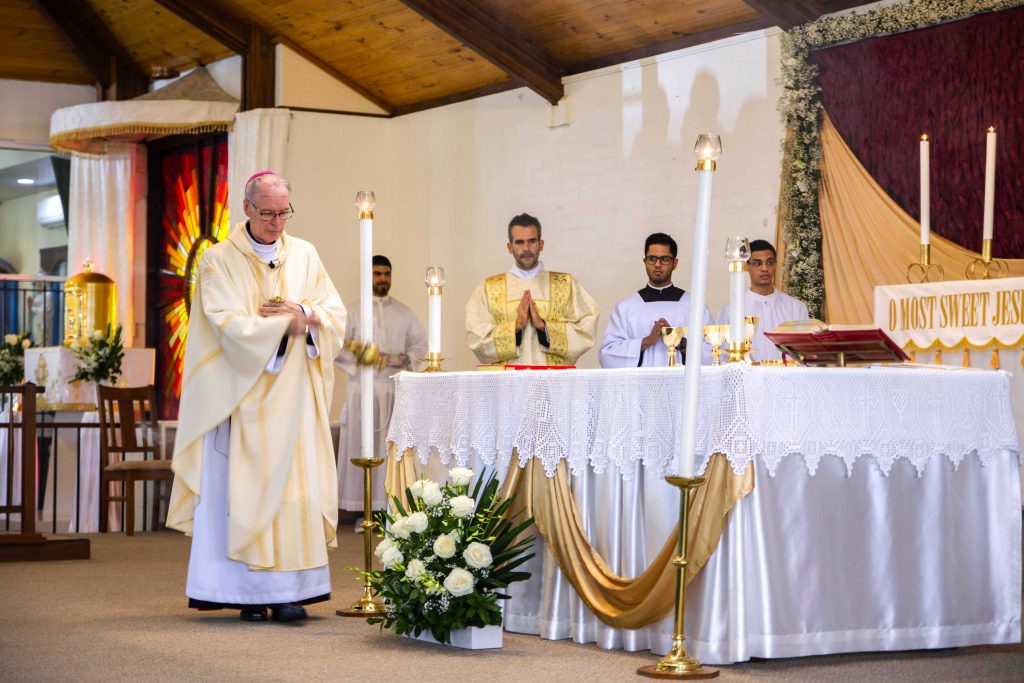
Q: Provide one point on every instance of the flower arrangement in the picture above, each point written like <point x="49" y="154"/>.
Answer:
<point x="12" y="358"/>
<point x="801" y="109"/>
<point x="99" y="359"/>
<point x="447" y="553"/>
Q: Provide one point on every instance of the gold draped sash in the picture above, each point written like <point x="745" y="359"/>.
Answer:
<point x="618" y="601"/>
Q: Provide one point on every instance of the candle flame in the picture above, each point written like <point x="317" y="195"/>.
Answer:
<point x="924" y="137"/>
<point x="991" y="129"/>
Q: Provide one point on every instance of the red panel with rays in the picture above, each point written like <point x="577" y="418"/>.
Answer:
<point x="194" y="216"/>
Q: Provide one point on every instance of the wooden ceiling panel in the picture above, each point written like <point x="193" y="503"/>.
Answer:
<point x="388" y="49"/>
<point x="31" y="50"/>
<point x="154" y="36"/>
<point x="575" y="31"/>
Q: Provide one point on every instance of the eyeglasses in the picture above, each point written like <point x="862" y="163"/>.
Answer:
<point x="663" y="260"/>
<point x="271" y="215"/>
<point x="757" y="263"/>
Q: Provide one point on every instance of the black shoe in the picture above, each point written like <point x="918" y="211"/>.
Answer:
<point x="254" y="613"/>
<point x="290" y="611"/>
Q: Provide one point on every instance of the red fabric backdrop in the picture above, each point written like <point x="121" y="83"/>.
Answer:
<point x="952" y="82"/>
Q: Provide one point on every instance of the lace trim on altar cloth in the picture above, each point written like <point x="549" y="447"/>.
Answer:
<point x="626" y="418"/>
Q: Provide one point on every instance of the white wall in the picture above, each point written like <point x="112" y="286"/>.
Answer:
<point x="27" y="107"/>
<point x="448" y="180"/>
<point x="21" y="236"/>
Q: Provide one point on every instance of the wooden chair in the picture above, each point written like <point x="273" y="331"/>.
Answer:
<point x="128" y="426"/>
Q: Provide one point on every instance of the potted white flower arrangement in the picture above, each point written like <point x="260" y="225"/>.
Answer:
<point x="99" y="359"/>
<point x="12" y="358"/>
<point x="447" y="555"/>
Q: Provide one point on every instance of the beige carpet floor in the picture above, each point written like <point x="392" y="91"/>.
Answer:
<point x="121" y="616"/>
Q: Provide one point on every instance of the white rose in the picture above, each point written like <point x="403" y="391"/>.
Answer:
<point x="11" y="339"/>
<point x="463" y="506"/>
<point x="25" y="343"/>
<point x="414" y="570"/>
<point x="416" y="489"/>
<point x="460" y="476"/>
<point x="459" y="582"/>
<point x="400" y="527"/>
<point x="477" y="555"/>
<point x="444" y="546"/>
<point x="432" y="495"/>
<point x="382" y="547"/>
<point x="95" y="335"/>
<point x="391" y="557"/>
<point x="417" y="522"/>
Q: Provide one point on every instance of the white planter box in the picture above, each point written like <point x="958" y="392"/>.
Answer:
<point x="475" y="638"/>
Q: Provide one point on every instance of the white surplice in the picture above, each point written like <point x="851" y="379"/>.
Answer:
<point x="771" y="311"/>
<point x="395" y="330"/>
<point x="633" y="319"/>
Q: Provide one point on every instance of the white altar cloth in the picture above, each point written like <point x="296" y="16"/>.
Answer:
<point x="885" y="513"/>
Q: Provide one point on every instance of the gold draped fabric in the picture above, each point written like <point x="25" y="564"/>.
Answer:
<point x="618" y="601"/>
<point x="868" y="239"/>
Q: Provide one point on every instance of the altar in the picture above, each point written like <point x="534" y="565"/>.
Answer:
<point x="885" y="513"/>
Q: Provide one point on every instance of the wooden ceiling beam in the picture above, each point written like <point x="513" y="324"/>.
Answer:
<point x="227" y="29"/>
<point x="106" y="59"/>
<point x="679" y="43"/>
<point x="785" y="13"/>
<point x="464" y="96"/>
<point x="502" y="46"/>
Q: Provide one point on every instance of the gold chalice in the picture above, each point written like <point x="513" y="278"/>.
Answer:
<point x="672" y="336"/>
<point x="716" y="335"/>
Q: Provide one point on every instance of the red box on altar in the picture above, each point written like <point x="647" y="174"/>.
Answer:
<point x="510" y="366"/>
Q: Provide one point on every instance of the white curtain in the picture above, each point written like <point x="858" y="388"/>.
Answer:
<point x="106" y="224"/>
<point x="259" y="142"/>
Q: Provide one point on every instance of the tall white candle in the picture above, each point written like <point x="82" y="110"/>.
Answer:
<point x="695" y="329"/>
<point x="737" y="293"/>
<point x="990" y="184"/>
<point x="926" y="193"/>
<point x="366" y="334"/>
<point x="434" y="323"/>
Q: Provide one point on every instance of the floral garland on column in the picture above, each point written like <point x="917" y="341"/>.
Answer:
<point x="801" y="109"/>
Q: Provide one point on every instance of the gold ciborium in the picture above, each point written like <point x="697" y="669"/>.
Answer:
<point x="716" y="335"/>
<point x="672" y="336"/>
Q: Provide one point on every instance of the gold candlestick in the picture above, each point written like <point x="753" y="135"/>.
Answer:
<point x="986" y="267"/>
<point x="677" y="663"/>
<point x="740" y="352"/>
<point x="924" y="270"/>
<point x="369" y="604"/>
<point x="433" y="361"/>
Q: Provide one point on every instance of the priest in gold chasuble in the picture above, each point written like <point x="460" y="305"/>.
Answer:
<point x="530" y="315"/>
<point x="255" y="479"/>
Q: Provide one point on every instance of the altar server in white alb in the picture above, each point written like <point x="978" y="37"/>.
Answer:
<point x="530" y="315"/>
<point x="763" y="301"/>
<point x="633" y="336"/>
<point x="255" y="480"/>
<point x="403" y="345"/>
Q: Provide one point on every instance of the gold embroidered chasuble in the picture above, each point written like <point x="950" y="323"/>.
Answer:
<point x="570" y="315"/>
<point x="282" y="487"/>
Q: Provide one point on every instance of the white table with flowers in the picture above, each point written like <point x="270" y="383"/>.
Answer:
<point x="885" y="513"/>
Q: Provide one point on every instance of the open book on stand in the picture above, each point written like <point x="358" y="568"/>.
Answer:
<point x="812" y="342"/>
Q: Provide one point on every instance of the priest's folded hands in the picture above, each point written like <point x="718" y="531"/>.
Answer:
<point x="301" y="320"/>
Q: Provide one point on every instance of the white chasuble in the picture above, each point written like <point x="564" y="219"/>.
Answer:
<point x="569" y="312"/>
<point x="281" y="478"/>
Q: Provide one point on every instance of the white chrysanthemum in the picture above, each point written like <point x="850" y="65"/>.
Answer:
<point x="459" y="582"/>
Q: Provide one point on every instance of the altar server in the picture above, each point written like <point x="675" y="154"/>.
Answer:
<point x="770" y="306"/>
<point x="633" y="336"/>
<point x="255" y="480"/>
<point x="403" y="345"/>
<point x="530" y="315"/>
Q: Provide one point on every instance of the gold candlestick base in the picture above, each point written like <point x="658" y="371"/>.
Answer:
<point x="925" y="270"/>
<point x="433" y="361"/>
<point x="739" y="353"/>
<point x="986" y="267"/>
<point x="369" y="604"/>
<point x="677" y="663"/>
